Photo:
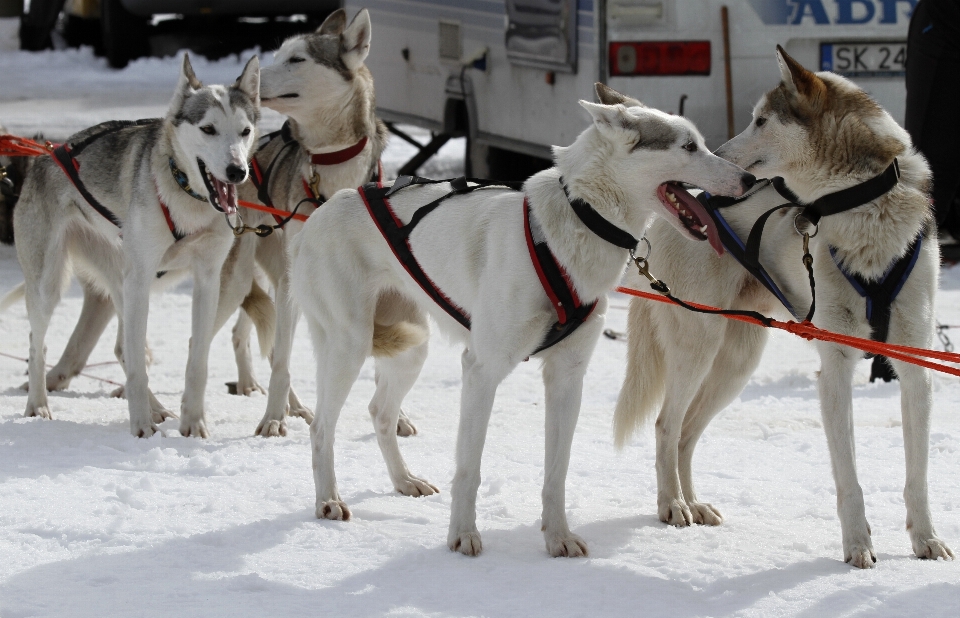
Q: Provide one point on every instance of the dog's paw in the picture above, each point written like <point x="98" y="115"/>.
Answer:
<point x="405" y="428"/>
<point x="302" y="411"/>
<point x="271" y="428"/>
<point x="144" y="429"/>
<point x="35" y="410"/>
<point x="416" y="487"/>
<point x="567" y="545"/>
<point x="467" y="543"/>
<point x="861" y="556"/>
<point x="248" y="385"/>
<point x="705" y="514"/>
<point x="335" y="510"/>
<point x="57" y="382"/>
<point x="196" y="428"/>
<point x="932" y="549"/>
<point x="159" y="414"/>
<point x="675" y="512"/>
<point x="119" y="393"/>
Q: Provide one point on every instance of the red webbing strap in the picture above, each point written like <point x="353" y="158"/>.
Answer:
<point x="272" y="211"/>
<point x="808" y="331"/>
<point x="340" y="156"/>
<point x="13" y="146"/>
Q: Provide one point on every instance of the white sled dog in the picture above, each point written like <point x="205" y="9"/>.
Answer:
<point x="320" y="82"/>
<point x="128" y="205"/>
<point x="821" y="134"/>
<point x="476" y="251"/>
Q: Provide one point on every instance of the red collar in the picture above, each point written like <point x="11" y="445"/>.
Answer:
<point x="340" y="156"/>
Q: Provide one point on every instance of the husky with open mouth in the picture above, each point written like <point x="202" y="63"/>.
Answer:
<point x="132" y="205"/>
<point x="484" y="258"/>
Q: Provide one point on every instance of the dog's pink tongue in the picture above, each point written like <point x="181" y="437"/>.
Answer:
<point x="228" y="195"/>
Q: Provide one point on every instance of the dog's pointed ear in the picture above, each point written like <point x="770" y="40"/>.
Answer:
<point x="334" y="23"/>
<point x="249" y="80"/>
<point x="607" y="118"/>
<point x="795" y="78"/>
<point x="609" y="96"/>
<point x="188" y="79"/>
<point x="355" y="41"/>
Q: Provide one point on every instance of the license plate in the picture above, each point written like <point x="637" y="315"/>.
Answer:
<point x="864" y="59"/>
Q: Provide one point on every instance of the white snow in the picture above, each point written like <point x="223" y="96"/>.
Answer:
<point x="94" y="522"/>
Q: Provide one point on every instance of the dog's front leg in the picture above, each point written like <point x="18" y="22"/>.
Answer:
<point x="138" y="274"/>
<point x="206" y="291"/>
<point x="915" y="403"/>
<point x="476" y="403"/>
<point x="836" y="408"/>
<point x="563" y="372"/>
<point x="273" y="423"/>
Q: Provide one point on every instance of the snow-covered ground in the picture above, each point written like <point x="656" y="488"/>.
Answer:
<point x="94" y="522"/>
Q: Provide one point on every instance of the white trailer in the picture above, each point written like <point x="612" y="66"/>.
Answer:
<point x="507" y="73"/>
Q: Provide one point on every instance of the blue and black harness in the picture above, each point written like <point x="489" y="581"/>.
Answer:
<point x="879" y="294"/>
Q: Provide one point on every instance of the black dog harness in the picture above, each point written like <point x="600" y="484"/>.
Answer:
<point x="261" y="177"/>
<point x="879" y="295"/>
<point x="65" y="156"/>
<point x="570" y="309"/>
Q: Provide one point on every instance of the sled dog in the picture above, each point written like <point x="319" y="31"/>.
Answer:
<point x="821" y="134"/>
<point x="320" y="82"/>
<point x="475" y="253"/>
<point x="130" y="205"/>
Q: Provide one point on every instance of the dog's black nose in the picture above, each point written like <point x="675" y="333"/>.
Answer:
<point x="235" y="173"/>
<point x="748" y="180"/>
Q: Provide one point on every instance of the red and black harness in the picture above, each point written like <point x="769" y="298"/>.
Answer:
<point x="879" y="294"/>
<point x="65" y="156"/>
<point x="570" y="309"/>
<point x="261" y="177"/>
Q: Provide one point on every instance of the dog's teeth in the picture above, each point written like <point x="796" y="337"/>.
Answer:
<point x="703" y="229"/>
<point x="671" y="197"/>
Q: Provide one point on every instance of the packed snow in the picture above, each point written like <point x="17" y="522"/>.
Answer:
<point x="94" y="522"/>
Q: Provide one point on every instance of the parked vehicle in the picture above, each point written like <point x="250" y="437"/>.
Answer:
<point x="503" y="72"/>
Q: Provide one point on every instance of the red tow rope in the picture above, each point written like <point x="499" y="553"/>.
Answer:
<point x="13" y="146"/>
<point x="808" y="331"/>
<point x="272" y="211"/>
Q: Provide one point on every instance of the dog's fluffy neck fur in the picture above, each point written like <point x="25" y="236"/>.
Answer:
<point x="593" y="264"/>
<point x="864" y="235"/>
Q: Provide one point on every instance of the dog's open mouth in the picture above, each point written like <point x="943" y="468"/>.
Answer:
<point x="693" y="217"/>
<point x="223" y="195"/>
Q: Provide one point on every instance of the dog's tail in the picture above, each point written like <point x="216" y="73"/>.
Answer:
<point x="395" y="338"/>
<point x="643" y="386"/>
<point x="13" y="296"/>
<point x="259" y="306"/>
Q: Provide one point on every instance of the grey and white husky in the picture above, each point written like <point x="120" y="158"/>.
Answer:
<point x="319" y="81"/>
<point x="359" y="300"/>
<point x="146" y="184"/>
<point x="822" y="134"/>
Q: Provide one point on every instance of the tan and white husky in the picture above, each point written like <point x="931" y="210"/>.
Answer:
<point x="821" y="134"/>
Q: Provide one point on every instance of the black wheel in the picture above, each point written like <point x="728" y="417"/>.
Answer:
<point x="124" y="34"/>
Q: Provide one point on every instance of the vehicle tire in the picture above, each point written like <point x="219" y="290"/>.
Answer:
<point x="124" y="34"/>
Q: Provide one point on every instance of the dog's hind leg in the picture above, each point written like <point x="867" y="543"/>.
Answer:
<point x="246" y="380"/>
<point x="736" y="361"/>
<point x="341" y="350"/>
<point x="273" y="422"/>
<point x="688" y="360"/>
<point x="96" y="314"/>
<point x="836" y="408"/>
<point x="916" y="402"/>
<point x="395" y="377"/>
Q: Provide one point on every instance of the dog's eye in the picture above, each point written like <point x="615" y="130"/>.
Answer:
<point x="245" y="132"/>
<point x="295" y="60"/>
<point x="208" y="129"/>
<point x="690" y="146"/>
<point x="761" y="121"/>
